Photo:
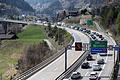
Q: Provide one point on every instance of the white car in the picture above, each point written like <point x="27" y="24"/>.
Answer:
<point x="93" y="76"/>
<point x="96" y="67"/>
<point x="103" y="54"/>
<point x="75" y="75"/>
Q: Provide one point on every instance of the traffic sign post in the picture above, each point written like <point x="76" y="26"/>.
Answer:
<point x="78" y="46"/>
<point x="85" y="47"/>
<point x="110" y="47"/>
<point x="69" y="47"/>
<point x="89" y="22"/>
<point x="117" y="47"/>
<point x="98" y="46"/>
<point x="98" y="50"/>
<point x="65" y="58"/>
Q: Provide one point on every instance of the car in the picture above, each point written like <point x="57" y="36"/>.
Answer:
<point x="80" y="29"/>
<point x="88" y="31"/>
<point x="96" y="39"/>
<point x="100" y="61"/>
<point x="84" y="28"/>
<point x="93" y="37"/>
<point x="89" y="57"/>
<point x="103" y="54"/>
<point x="96" y="67"/>
<point x="100" y="36"/>
<point x="75" y="75"/>
<point x="76" y="27"/>
<point x="85" y="65"/>
<point x="94" y="32"/>
<point x="93" y="76"/>
<point x="97" y="34"/>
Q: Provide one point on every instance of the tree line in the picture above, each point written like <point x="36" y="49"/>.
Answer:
<point x="111" y="18"/>
<point x="58" y="34"/>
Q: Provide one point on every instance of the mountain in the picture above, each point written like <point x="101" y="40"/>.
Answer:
<point x="14" y="7"/>
<point x="50" y="7"/>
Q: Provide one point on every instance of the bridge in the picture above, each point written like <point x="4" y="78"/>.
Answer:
<point x="6" y="23"/>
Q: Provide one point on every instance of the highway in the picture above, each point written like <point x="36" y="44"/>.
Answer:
<point x="54" y="69"/>
<point x="107" y="68"/>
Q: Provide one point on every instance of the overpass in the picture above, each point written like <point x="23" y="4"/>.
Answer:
<point x="6" y="23"/>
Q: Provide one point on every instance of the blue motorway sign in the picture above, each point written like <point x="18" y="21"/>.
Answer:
<point x="117" y="47"/>
<point x="98" y="50"/>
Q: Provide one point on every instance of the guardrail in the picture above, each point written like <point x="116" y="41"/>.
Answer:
<point x="115" y="69"/>
<point x="111" y="74"/>
<point x="73" y="67"/>
<point x="40" y="66"/>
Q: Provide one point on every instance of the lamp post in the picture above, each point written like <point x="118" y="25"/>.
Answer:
<point x="65" y="54"/>
<point x="65" y="58"/>
<point x="58" y="35"/>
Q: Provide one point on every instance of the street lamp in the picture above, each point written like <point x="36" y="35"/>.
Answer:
<point x="58" y="35"/>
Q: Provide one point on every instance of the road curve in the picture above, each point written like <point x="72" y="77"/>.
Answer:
<point x="107" y="68"/>
<point x="54" y="69"/>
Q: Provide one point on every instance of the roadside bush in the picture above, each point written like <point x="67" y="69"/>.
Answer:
<point x="33" y="55"/>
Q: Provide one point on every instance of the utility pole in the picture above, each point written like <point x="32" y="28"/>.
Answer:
<point x="114" y="55"/>
<point x="65" y="54"/>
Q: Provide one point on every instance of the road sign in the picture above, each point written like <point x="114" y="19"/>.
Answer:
<point x="78" y="46"/>
<point x="69" y="47"/>
<point x="117" y="47"/>
<point x="85" y="46"/>
<point x="89" y="22"/>
<point x="98" y="46"/>
<point x="98" y="50"/>
<point x="110" y="47"/>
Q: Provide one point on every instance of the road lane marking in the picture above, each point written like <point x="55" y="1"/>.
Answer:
<point x="111" y="60"/>
<point x="86" y="74"/>
<point x="103" y="67"/>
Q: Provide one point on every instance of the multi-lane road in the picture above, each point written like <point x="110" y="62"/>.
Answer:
<point x="53" y="70"/>
<point x="107" y="68"/>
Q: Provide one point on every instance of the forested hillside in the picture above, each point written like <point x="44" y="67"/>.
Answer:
<point x="111" y="17"/>
<point x="50" y="7"/>
<point x="14" y="7"/>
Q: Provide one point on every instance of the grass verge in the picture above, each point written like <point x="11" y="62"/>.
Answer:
<point x="10" y="50"/>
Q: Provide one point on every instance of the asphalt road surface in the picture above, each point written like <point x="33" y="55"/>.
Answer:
<point x="107" y="68"/>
